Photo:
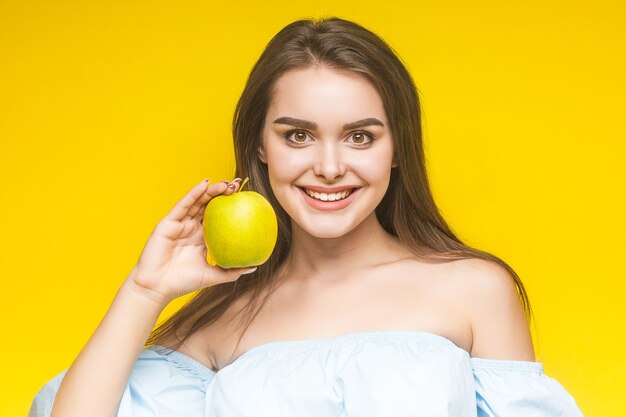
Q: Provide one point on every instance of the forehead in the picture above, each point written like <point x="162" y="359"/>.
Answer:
<point x="325" y="94"/>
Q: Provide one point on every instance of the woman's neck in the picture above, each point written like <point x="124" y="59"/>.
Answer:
<point x="366" y="246"/>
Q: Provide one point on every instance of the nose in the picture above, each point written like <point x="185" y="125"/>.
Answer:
<point x="329" y="163"/>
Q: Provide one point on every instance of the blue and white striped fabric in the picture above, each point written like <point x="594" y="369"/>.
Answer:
<point x="369" y="374"/>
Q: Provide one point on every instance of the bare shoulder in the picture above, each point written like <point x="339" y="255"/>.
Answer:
<point x="494" y="308"/>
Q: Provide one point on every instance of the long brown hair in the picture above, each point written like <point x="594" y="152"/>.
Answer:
<point x="407" y="210"/>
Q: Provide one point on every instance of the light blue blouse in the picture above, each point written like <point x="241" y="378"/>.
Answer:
<point x="369" y="374"/>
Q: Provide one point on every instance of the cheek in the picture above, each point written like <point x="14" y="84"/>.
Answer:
<point x="374" y="166"/>
<point x="283" y="172"/>
<point x="283" y="161"/>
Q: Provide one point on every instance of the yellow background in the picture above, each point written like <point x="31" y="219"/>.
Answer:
<point x="110" y="112"/>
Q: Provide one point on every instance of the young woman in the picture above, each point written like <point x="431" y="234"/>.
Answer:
<point x="369" y="304"/>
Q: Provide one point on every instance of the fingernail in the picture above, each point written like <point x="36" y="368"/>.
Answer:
<point x="248" y="271"/>
<point x="206" y="180"/>
<point x="232" y="185"/>
<point x="236" y="180"/>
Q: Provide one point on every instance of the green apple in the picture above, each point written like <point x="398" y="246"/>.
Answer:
<point x="240" y="229"/>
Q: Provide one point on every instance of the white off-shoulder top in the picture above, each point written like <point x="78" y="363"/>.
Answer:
<point x="368" y="374"/>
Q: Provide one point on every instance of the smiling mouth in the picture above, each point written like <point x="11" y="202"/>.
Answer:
<point x="328" y="197"/>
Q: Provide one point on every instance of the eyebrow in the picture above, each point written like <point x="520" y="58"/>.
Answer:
<point x="370" y="121"/>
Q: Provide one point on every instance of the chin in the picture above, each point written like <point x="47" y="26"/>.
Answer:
<point x="325" y="234"/>
<point x="327" y="229"/>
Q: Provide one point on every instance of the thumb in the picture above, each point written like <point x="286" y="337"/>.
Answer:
<point x="232" y="274"/>
<point x="242" y="271"/>
<point x="225" y="275"/>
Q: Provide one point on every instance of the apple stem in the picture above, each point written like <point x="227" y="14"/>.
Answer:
<point x="243" y="183"/>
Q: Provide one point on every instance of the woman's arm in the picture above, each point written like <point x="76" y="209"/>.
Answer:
<point x="94" y="384"/>
<point x="172" y="263"/>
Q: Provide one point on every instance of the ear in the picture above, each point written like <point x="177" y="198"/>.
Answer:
<point x="261" y="153"/>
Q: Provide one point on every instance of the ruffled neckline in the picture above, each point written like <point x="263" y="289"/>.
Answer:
<point x="189" y="364"/>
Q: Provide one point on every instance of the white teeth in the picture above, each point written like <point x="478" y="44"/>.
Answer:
<point x="327" y="197"/>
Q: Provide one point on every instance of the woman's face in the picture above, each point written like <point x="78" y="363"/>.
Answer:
<point x="327" y="130"/>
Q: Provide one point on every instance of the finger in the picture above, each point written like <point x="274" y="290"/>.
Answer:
<point x="225" y="275"/>
<point x="237" y="181"/>
<point x="198" y="210"/>
<point x="233" y="186"/>
<point x="216" y="189"/>
<point x="211" y="192"/>
<point x="181" y="209"/>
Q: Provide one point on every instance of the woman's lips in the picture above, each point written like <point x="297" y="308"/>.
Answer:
<point x="328" y="205"/>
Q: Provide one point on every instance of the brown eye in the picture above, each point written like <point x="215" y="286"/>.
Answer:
<point x="296" y="136"/>
<point x="299" y="136"/>
<point x="361" y="138"/>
